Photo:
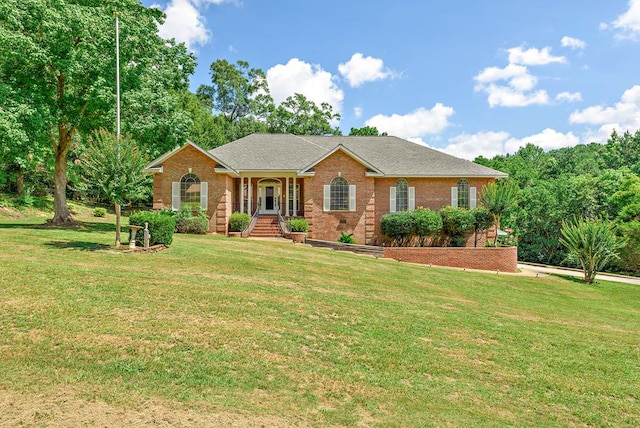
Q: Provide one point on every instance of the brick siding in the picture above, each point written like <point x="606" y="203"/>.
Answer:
<point x="372" y="194"/>
<point x="503" y="259"/>
<point x="328" y="225"/>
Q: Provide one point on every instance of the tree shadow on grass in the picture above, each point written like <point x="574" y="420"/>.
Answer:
<point x="78" y="245"/>
<point x="575" y="279"/>
<point x="79" y="226"/>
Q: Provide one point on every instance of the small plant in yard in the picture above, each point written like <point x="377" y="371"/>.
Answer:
<point x="187" y="222"/>
<point x="592" y="243"/>
<point x="99" y="212"/>
<point x="239" y="221"/>
<point x="298" y="225"/>
<point x="346" y="238"/>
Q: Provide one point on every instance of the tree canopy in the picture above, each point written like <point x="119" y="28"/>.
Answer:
<point x="66" y="67"/>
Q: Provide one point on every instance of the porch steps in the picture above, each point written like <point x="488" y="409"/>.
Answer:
<point x="266" y="227"/>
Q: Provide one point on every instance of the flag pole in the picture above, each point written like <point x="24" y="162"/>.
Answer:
<point x="117" y="78"/>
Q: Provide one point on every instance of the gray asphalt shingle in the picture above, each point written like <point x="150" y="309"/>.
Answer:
<point x="392" y="156"/>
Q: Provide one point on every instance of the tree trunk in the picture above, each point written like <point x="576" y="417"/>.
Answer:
<point x="20" y="181"/>
<point x="117" y="210"/>
<point x="61" y="211"/>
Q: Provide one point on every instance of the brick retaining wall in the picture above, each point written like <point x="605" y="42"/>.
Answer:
<point x="503" y="259"/>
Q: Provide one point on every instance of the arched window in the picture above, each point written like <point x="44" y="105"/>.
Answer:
<point x="190" y="190"/>
<point x="463" y="194"/>
<point x="339" y="194"/>
<point x="402" y="195"/>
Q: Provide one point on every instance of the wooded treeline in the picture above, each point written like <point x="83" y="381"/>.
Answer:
<point x="591" y="181"/>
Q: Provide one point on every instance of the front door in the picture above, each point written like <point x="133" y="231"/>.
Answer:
<point x="269" y="196"/>
<point x="269" y="193"/>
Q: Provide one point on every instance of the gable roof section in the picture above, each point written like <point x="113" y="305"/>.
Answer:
<point x="156" y="165"/>
<point x="389" y="156"/>
<point x="342" y="148"/>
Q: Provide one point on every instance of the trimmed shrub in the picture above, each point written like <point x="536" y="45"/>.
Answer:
<point x="239" y="221"/>
<point x="186" y="222"/>
<point x="298" y="225"/>
<point x="399" y="227"/>
<point x="99" y="212"/>
<point x="426" y="224"/>
<point x="457" y="224"/>
<point x="161" y="226"/>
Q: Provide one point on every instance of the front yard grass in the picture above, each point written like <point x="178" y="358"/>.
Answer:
<point x="217" y="330"/>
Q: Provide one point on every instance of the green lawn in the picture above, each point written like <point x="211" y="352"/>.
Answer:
<point x="272" y="333"/>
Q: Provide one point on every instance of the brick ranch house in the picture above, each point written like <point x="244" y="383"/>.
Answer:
<point x="338" y="184"/>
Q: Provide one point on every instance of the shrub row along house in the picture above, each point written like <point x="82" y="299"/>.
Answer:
<point x="338" y="184"/>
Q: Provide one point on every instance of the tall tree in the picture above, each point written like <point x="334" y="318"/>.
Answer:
<point x="67" y="66"/>
<point x="301" y="116"/>
<point x="237" y="90"/>
<point x="366" y="131"/>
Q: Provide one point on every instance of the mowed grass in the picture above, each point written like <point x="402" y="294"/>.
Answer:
<point x="311" y="336"/>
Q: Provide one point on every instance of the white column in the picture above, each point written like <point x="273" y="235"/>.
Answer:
<point x="286" y="211"/>
<point x="295" y="198"/>
<point x="250" y="195"/>
<point x="241" y="194"/>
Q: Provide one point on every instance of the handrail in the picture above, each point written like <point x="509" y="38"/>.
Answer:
<point x="254" y="220"/>
<point x="284" y="230"/>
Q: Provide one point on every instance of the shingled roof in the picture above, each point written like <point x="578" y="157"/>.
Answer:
<point x="388" y="156"/>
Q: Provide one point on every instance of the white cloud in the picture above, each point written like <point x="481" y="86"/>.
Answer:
<point x="623" y="116"/>
<point x="494" y="74"/>
<point x="490" y="144"/>
<point x="360" y="69"/>
<point x="357" y="112"/>
<point x="310" y="80"/>
<point x="569" y="97"/>
<point x="573" y="43"/>
<point x="533" y="56"/>
<point x="548" y="139"/>
<point x="629" y="22"/>
<point x="184" y="23"/>
<point x="416" y="124"/>
<point x="514" y="85"/>
<point x="470" y="146"/>
<point x="517" y="90"/>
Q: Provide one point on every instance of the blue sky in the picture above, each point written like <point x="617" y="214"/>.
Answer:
<point x="466" y="77"/>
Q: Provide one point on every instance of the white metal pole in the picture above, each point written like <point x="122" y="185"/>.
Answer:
<point x="117" y="78"/>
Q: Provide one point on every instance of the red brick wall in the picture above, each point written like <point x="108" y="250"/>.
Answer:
<point x="177" y="166"/>
<point x="503" y="259"/>
<point x="432" y="193"/>
<point x="326" y="225"/>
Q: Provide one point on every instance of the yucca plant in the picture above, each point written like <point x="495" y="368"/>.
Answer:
<point x="592" y="243"/>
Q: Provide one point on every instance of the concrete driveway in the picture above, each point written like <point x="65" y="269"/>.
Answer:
<point x="541" y="269"/>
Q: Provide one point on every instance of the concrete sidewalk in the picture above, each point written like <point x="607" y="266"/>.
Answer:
<point x="540" y="269"/>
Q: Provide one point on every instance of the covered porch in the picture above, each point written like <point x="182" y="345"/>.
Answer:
<point x="269" y="194"/>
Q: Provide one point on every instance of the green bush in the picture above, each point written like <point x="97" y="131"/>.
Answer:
<point x="399" y="227"/>
<point x="161" y="226"/>
<point x="239" y="221"/>
<point x="187" y="222"/>
<point x="99" y="212"/>
<point x="426" y="223"/>
<point x="298" y="225"/>
<point x="26" y="200"/>
<point x="457" y="224"/>
<point x="346" y="238"/>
